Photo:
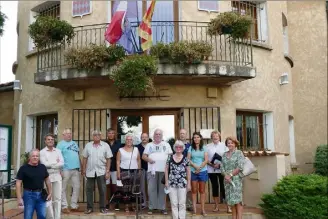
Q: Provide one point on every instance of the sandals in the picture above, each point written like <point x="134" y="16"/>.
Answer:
<point x="216" y="209"/>
<point x="204" y="214"/>
<point x="127" y="210"/>
<point x="229" y="209"/>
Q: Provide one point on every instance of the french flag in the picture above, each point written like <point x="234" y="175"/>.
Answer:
<point x="116" y="27"/>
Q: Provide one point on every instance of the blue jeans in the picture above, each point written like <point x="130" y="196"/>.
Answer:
<point x="33" y="201"/>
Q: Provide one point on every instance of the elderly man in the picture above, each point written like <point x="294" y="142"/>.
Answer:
<point x="71" y="171"/>
<point x="53" y="159"/>
<point x="156" y="154"/>
<point x="33" y="175"/>
<point x="144" y="166"/>
<point x="96" y="167"/>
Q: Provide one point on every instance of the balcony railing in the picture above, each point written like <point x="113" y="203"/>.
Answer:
<point x="224" y="48"/>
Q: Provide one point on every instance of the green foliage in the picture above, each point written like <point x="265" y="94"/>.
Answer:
<point x="48" y="30"/>
<point x="134" y="74"/>
<point x="3" y="18"/>
<point x="25" y="157"/>
<point x="297" y="196"/>
<point x="93" y="57"/>
<point x="321" y="160"/>
<point x="237" y="25"/>
<point x="183" y="52"/>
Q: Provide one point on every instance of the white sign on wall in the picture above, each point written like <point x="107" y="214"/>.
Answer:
<point x="4" y="134"/>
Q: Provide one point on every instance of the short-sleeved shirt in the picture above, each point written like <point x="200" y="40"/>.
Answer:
<point x="178" y="172"/>
<point x="114" y="148"/>
<point x="144" y="164"/>
<point x="97" y="158"/>
<point x="158" y="153"/>
<point x="32" y="176"/>
<point x="212" y="148"/>
<point x="70" y="151"/>
<point x="197" y="157"/>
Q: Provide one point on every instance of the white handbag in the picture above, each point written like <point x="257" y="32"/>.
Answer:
<point x="248" y="168"/>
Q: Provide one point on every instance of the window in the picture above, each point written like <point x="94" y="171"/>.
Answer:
<point x="48" y="8"/>
<point x="81" y="7"/>
<point x="46" y="124"/>
<point x="285" y="34"/>
<point x="257" y="10"/>
<point x="208" y="5"/>
<point x="250" y="130"/>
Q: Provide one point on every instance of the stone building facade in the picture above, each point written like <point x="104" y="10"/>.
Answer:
<point x="274" y="99"/>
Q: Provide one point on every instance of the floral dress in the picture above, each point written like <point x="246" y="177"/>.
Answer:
<point x="178" y="172"/>
<point x="234" y="194"/>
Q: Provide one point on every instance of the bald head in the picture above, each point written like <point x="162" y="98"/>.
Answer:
<point x="183" y="135"/>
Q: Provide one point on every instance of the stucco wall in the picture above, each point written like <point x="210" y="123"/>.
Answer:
<point x="7" y="108"/>
<point x="308" y="46"/>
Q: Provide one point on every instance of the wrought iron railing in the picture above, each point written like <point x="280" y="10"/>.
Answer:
<point x="224" y="48"/>
<point x="5" y="188"/>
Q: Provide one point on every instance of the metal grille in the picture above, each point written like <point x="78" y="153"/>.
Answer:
<point x="84" y="121"/>
<point x="195" y="119"/>
<point x="52" y="11"/>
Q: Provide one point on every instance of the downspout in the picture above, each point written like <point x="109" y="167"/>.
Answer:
<point x="19" y="136"/>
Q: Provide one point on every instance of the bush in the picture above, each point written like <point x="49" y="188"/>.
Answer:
<point x="134" y="74"/>
<point x="321" y="160"/>
<point x="297" y="197"/>
<point x="237" y="25"/>
<point x="183" y="52"/>
<point x="3" y="18"/>
<point x="48" y="30"/>
<point x="93" y="57"/>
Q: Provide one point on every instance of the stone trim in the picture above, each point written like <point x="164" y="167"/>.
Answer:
<point x="263" y="153"/>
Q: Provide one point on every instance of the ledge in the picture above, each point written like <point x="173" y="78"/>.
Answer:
<point x="209" y="73"/>
<point x="263" y="153"/>
<point x="290" y="60"/>
<point x="262" y="45"/>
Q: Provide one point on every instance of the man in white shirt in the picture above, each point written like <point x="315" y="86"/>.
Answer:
<point x="156" y="154"/>
<point x="213" y="168"/>
<point x="96" y="167"/>
<point x="53" y="159"/>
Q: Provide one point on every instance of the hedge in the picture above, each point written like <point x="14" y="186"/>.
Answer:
<point x="321" y="160"/>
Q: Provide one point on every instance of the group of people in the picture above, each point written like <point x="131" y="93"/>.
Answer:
<point x="168" y="170"/>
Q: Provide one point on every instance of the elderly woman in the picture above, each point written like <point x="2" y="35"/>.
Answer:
<point x="197" y="154"/>
<point x="215" y="151"/>
<point x="128" y="159"/>
<point x="156" y="154"/>
<point x="232" y="165"/>
<point x="177" y="179"/>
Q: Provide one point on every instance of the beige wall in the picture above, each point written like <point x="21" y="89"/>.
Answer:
<point x="7" y="108"/>
<point x="308" y="45"/>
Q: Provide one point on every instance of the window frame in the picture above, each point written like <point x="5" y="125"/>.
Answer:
<point x="259" y="116"/>
<point x="39" y="119"/>
<point x="208" y="10"/>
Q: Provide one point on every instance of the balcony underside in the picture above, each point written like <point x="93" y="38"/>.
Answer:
<point x="201" y="74"/>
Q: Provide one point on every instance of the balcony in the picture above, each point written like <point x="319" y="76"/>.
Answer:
<point x="230" y="62"/>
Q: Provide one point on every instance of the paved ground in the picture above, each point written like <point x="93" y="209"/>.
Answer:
<point x="209" y="207"/>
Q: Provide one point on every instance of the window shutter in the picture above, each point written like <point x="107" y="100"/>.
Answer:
<point x="208" y="5"/>
<point x="81" y="7"/>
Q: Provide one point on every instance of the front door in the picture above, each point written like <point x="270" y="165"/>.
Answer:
<point x="136" y="122"/>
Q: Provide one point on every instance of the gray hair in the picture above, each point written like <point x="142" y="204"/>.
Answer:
<point x="178" y="143"/>
<point x="31" y="152"/>
<point x="129" y="135"/>
<point x="67" y="130"/>
<point x="96" y="132"/>
<point x="158" y="130"/>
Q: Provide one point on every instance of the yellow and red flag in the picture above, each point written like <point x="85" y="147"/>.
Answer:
<point x="145" y="27"/>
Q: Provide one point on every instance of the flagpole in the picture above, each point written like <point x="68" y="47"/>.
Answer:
<point x="138" y="23"/>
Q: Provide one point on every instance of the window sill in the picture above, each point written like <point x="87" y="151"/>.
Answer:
<point x="262" y="45"/>
<point x="262" y="153"/>
<point x="290" y="60"/>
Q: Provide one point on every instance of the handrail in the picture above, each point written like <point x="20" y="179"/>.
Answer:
<point x="9" y="184"/>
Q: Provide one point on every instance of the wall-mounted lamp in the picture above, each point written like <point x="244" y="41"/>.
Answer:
<point x="17" y="85"/>
<point x="283" y="79"/>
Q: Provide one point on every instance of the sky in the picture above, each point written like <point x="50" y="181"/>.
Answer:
<point x="8" y="42"/>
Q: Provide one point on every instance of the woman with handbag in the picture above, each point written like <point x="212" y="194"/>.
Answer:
<point x="177" y="180"/>
<point x="232" y="166"/>
<point x="128" y="160"/>
<point x="197" y="154"/>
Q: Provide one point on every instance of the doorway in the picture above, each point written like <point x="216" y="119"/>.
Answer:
<point x="136" y="122"/>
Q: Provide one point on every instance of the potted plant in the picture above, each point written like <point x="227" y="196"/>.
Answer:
<point x="25" y="158"/>
<point x="232" y="23"/>
<point x="48" y="30"/>
<point x="134" y="74"/>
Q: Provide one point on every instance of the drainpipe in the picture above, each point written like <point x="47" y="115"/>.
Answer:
<point x="19" y="136"/>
